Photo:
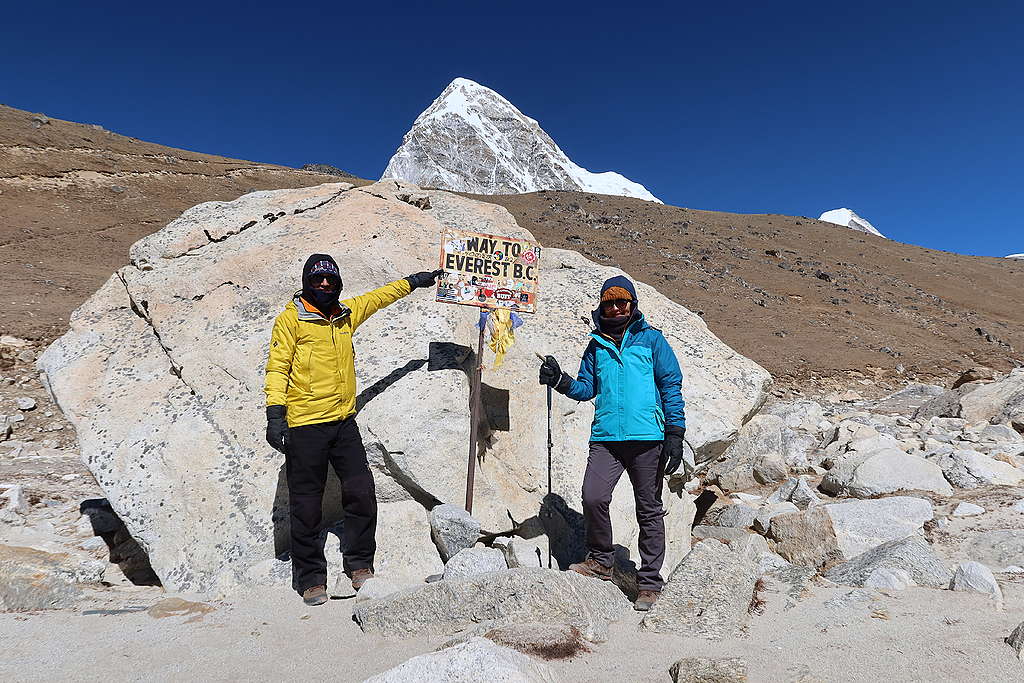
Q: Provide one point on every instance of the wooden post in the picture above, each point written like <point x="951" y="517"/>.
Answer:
<point x="474" y="413"/>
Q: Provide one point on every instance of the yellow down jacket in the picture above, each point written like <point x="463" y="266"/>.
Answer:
<point x="311" y="368"/>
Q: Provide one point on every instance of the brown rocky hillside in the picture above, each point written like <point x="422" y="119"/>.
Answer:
<point x="802" y="297"/>
<point x="74" y="197"/>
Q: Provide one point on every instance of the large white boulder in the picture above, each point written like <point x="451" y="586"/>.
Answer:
<point x="161" y="374"/>
<point x="474" y="660"/>
<point x="887" y="470"/>
<point x="998" y="402"/>
<point x="842" y="531"/>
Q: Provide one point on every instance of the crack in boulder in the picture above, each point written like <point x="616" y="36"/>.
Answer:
<point x="143" y="312"/>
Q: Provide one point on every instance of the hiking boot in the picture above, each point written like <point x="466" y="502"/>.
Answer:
<point x="317" y="595"/>
<point x="592" y="568"/>
<point x="359" y="577"/>
<point x="645" y="600"/>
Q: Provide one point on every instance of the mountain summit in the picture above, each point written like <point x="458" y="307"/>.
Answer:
<point x="471" y="139"/>
<point x="848" y="219"/>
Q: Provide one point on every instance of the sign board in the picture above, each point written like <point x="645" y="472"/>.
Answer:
<point x="488" y="271"/>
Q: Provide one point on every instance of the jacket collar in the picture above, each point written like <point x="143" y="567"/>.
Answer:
<point x="632" y="330"/>
<point x="308" y="311"/>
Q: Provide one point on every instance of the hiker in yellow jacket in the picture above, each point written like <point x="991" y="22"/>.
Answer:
<point x="311" y="404"/>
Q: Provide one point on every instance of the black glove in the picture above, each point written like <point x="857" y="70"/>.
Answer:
<point x="552" y="375"/>
<point x="672" y="450"/>
<point x="277" y="428"/>
<point x="423" y="279"/>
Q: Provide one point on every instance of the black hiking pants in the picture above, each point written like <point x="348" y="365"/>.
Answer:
<point x="309" y="449"/>
<point x="641" y="460"/>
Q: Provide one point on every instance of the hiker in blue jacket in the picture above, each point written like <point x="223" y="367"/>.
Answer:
<point x="632" y="374"/>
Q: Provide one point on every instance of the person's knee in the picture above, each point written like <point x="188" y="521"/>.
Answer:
<point x="596" y="498"/>
<point x="647" y="517"/>
<point x="359" y="485"/>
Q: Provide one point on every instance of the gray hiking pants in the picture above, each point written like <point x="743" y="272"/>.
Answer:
<point x="641" y="460"/>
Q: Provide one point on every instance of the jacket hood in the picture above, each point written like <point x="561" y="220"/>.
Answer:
<point x="321" y="264"/>
<point x="624" y="283"/>
<point x="620" y="281"/>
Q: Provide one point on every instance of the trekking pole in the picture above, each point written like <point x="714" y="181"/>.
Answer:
<point x="549" y="467"/>
<point x="550" y="444"/>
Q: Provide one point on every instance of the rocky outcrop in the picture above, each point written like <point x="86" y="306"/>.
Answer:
<point x="498" y="598"/>
<point x="708" y="595"/>
<point x="842" y="531"/>
<point x="471" y="139"/>
<point x="912" y="554"/>
<point x="161" y="374"/>
<point x="31" y="579"/>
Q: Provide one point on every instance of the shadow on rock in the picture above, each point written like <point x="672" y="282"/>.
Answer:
<point x="124" y="550"/>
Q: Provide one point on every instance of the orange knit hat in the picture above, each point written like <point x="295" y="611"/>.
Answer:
<point x="616" y="293"/>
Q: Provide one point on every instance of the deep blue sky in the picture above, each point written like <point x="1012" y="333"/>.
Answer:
<point x="911" y="114"/>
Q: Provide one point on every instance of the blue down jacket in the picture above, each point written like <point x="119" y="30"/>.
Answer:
<point x="636" y="387"/>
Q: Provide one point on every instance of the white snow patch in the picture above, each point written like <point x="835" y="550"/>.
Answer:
<point x="848" y="219"/>
<point x="1019" y="257"/>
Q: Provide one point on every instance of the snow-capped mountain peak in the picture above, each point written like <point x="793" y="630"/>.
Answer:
<point x="848" y="219"/>
<point x="471" y="139"/>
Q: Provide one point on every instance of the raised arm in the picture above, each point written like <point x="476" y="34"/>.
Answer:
<point x="365" y="305"/>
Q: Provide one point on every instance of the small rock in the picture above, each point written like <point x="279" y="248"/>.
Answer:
<point x="770" y="469"/>
<point x="94" y="543"/>
<point x="25" y="403"/>
<point x="968" y="510"/>
<point x="375" y="588"/>
<point x="452" y="529"/>
<point x="797" y="491"/>
<point x="737" y="516"/>
<point x="472" y="561"/>
<point x="976" y="577"/>
<point x="763" y="519"/>
<point x="15" y="498"/>
<point x="748" y="498"/>
<point x="708" y="670"/>
<point x="1016" y="639"/>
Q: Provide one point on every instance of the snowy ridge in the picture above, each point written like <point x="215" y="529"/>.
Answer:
<point x="1019" y="257"/>
<point x="848" y="219"/>
<point x="471" y="139"/>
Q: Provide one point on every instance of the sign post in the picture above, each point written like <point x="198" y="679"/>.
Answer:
<point x="474" y="417"/>
<point x="488" y="272"/>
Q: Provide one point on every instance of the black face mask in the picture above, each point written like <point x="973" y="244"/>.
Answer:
<point x="322" y="299"/>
